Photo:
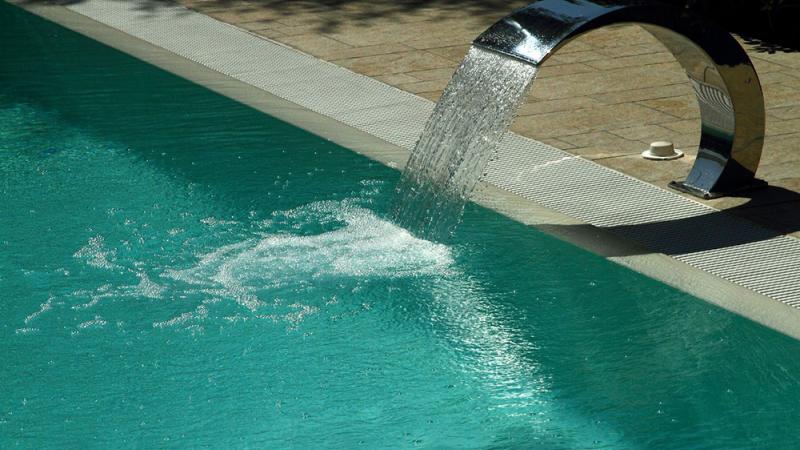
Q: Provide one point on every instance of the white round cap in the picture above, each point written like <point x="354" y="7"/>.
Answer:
<point x="662" y="150"/>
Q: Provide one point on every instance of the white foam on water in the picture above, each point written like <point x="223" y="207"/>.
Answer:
<point x="96" y="323"/>
<point x="43" y="308"/>
<point x="102" y="292"/>
<point x="361" y="246"/>
<point x="147" y="287"/>
<point x="265" y="267"/>
<point x="183" y="318"/>
<point x="364" y="246"/>
<point x="214" y="222"/>
<point x="26" y="330"/>
<point x="96" y="254"/>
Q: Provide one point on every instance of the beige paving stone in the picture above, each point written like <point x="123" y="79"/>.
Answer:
<point x="690" y="126"/>
<point x="791" y="183"/>
<point x="548" y="70"/>
<point x="269" y="33"/>
<point x="425" y="86"/>
<point x="432" y="96"/>
<point x="647" y="134"/>
<point x="301" y="14"/>
<point x="358" y="36"/>
<point x="338" y="15"/>
<point x="652" y="46"/>
<point x="369" y="50"/>
<point x="574" y="57"/>
<point x="423" y="34"/>
<point x="644" y="133"/>
<point x="681" y="107"/>
<point x="686" y="144"/>
<point x="775" y="77"/>
<point x="785" y="113"/>
<point x="259" y="26"/>
<point x="447" y="13"/>
<point x="396" y="79"/>
<point x="206" y="5"/>
<point x="433" y="74"/>
<point x="290" y="31"/>
<point x="599" y="138"/>
<point x="245" y="14"/>
<point x="596" y="138"/>
<point x="778" y="151"/>
<point x="619" y="36"/>
<point x="315" y="44"/>
<point x="629" y="61"/>
<point x="635" y="95"/>
<point x="577" y="45"/>
<point x="547" y="106"/>
<point x="779" y="170"/>
<point x="779" y="127"/>
<point x="442" y="41"/>
<point x="784" y="59"/>
<point x="394" y="63"/>
<point x="567" y="123"/>
<point x="553" y="142"/>
<point x="363" y="14"/>
<point x="606" y="82"/>
<point x="779" y="95"/>
<point x="454" y="53"/>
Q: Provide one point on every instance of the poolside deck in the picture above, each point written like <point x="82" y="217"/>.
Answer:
<point x="604" y="97"/>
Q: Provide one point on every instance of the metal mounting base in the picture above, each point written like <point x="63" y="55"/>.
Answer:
<point x="755" y="183"/>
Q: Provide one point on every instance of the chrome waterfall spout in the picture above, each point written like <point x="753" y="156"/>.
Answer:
<point x="722" y="75"/>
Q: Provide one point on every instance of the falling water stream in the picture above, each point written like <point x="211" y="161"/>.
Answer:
<point x="459" y="139"/>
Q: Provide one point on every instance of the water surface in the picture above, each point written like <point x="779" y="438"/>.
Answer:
<point x="177" y="276"/>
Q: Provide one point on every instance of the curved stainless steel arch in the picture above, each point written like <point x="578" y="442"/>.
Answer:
<point x="727" y="86"/>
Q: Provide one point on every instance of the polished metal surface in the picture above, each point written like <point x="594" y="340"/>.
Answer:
<point x="722" y="75"/>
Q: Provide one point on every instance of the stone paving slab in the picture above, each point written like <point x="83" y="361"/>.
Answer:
<point x="605" y="96"/>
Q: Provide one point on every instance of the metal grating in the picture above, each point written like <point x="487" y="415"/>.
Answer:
<point x="664" y="222"/>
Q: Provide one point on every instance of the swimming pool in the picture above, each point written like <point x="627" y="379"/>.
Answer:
<point x="181" y="270"/>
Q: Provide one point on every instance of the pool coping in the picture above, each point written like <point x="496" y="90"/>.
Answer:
<point x="597" y="239"/>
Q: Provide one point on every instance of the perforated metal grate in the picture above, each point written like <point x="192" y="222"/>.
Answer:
<point x="661" y="221"/>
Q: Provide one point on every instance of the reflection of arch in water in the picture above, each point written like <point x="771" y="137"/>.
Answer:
<point x="721" y="73"/>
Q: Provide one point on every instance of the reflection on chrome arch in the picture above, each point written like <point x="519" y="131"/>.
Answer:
<point x="722" y="75"/>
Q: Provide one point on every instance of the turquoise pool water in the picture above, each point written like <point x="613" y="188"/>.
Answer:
<point x="178" y="270"/>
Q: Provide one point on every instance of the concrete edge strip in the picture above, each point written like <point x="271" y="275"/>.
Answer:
<point x="670" y="270"/>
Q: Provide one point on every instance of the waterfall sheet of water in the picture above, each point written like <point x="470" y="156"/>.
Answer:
<point x="459" y="140"/>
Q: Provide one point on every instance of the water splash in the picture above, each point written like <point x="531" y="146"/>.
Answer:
<point x="363" y="246"/>
<point x="96" y="255"/>
<point x="459" y="140"/>
<point x="242" y="271"/>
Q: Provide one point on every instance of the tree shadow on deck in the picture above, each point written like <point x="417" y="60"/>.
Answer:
<point x="331" y="15"/>
<point x="768" y="25"/>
